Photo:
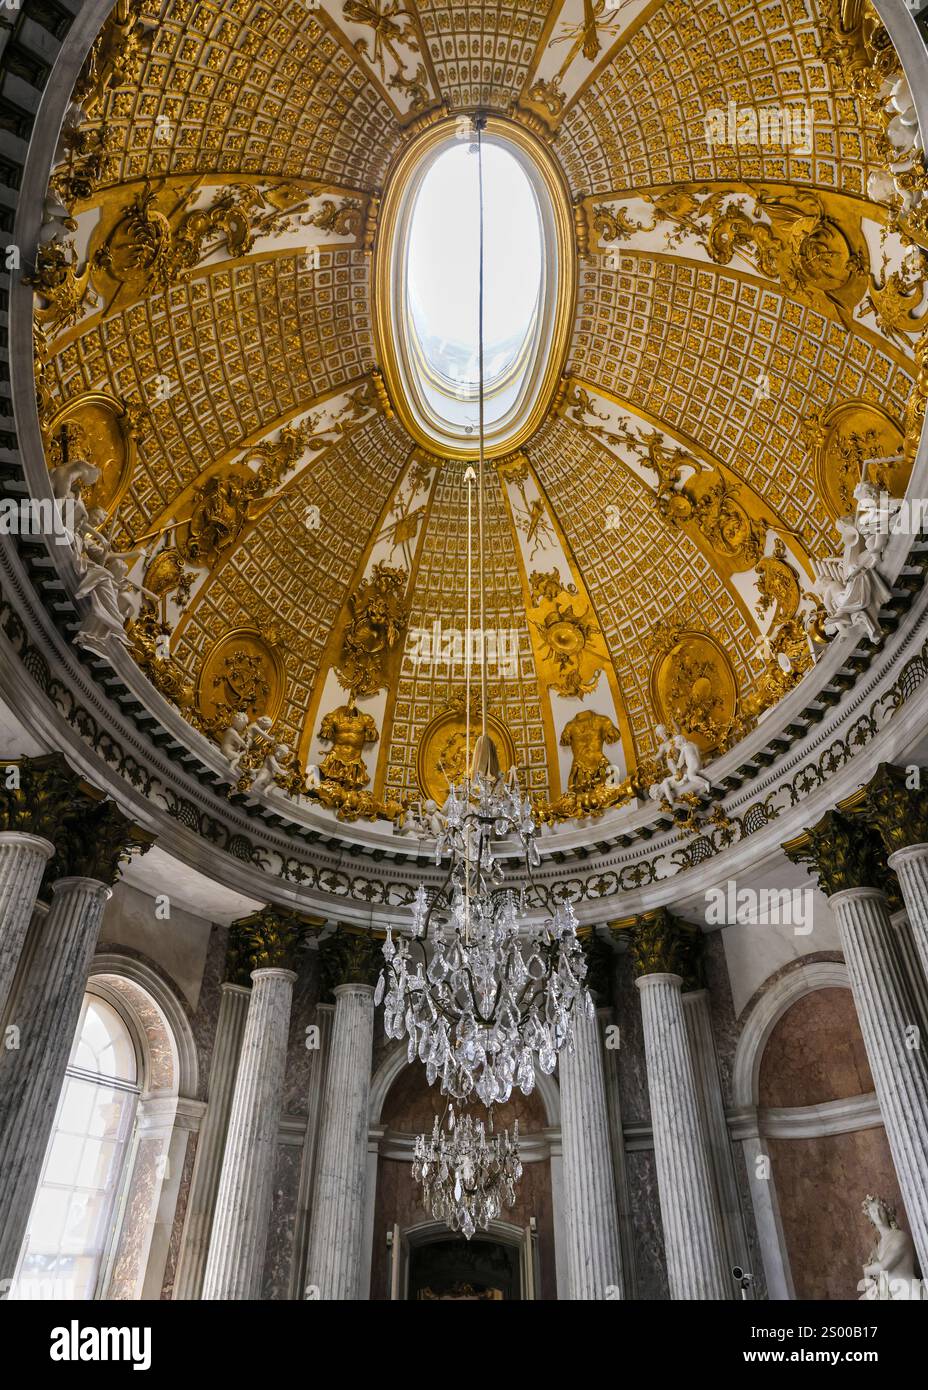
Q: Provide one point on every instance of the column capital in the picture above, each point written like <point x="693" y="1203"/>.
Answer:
<point x="841" y="852"/>
<point x="897" y="811"/>
<point x="351" y="957"/>
<point x="94" y="839"/>
<point x="269" y="939"/>
<point x="38" y="796"/>
<point x="662" y="944"/>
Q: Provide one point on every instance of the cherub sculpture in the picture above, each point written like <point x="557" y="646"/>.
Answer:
<point x="684" y="768"/>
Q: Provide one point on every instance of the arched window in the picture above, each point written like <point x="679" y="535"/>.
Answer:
<point x="71" y="1223"/>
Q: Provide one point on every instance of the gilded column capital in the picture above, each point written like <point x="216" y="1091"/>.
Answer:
<point x="897" y="811"/>
<point x="269" y="939"/>
<point x="841" y="852"/>
<point x="94" y="839"/>
<point x="662" y="944"/>
<point x="350" y="957"/>
<point x="40" y="796"/>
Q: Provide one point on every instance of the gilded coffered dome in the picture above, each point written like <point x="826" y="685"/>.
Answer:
<point x="236" y="342"/>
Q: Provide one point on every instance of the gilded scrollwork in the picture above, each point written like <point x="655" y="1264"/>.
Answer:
<point x="64" y="285"/>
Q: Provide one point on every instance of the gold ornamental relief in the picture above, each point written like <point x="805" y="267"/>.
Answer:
<point x="244" y="670"/>
<point x="106" y="430"/>
<point x="442" y="756"/>
<point x="843" y="440"/>
<point x="693" y="685"/>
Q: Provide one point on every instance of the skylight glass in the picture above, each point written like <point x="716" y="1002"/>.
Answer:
<point x="442" y="279"/>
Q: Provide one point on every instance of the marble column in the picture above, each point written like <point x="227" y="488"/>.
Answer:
<point x="908" y="953"/>
<point x="324" y="1015"/>
<point x="22" y="862"/>
<point x="31" y="1076"/>
<point x="351" y="961"/>
<point x="204" y="1185"/>
<point x="847" y="854"/>
<point x="693" y="1236"/>
<point x="667" y="956"/>
<point x="898" y="812"/>
<point x="235" y="1264"/>
<point x="715" y="1126"/>
<point x="888" y="1013"/>
<point x="910" y="865"/>
<point x="594" y="1255"/>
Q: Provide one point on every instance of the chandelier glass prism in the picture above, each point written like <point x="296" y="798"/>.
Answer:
<point x="468" y="1177"/>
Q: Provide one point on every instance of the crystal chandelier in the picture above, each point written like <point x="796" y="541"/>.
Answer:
<point x="467" y="1176"/>
<point x="485" y="998"/>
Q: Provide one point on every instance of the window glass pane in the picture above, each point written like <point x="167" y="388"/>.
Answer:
<point x="72" y="1214"/>
<point x="103" y="1043"/>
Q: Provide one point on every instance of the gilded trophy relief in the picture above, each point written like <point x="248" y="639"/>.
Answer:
<point x="106" y="430"/>
<point x="693" y="686"/>
<point x="851" y="442"/>
<point x="442" y="755"/>
<point x="785" y="645"/>
<point x="340" y="782"/>
<point x="593" y="786"/>
<point x="377" y="619"/>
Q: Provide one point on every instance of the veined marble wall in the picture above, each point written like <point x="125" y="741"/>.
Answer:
<point x="815" y="1055"/>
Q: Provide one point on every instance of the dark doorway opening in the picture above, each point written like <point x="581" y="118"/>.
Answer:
<point x="461" y="1270"/>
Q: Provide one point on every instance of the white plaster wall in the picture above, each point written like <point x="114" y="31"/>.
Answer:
<point x="753" y="951"/>
<point x="178" y="944"/>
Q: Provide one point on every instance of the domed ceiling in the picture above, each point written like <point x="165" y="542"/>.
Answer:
<point x="740" y="307"/>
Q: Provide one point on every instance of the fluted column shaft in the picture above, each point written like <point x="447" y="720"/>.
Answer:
<point x="715" y="1126"/>
<point x="887" y="1010"/>
<point x="594" y="1257"/>
<point x="22" y="863"/>
<point x="337" y="1226"/>
<point x="204" y="1185"/>
<point x="238" y="1241"/>
<point x="32" y="1075"/>
<point x="693" y="1237"/>
<point x="911" y="867"/>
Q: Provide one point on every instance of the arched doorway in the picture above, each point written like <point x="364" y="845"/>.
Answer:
<point x="412" y="1255"/>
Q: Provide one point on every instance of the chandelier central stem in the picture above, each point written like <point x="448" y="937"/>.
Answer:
<point x="480" y="122"/>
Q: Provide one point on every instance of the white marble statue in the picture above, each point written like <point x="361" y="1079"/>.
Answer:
<point x="852" y="588"/>
<point x="410" y="824"/>
<point x="890" y="1269"/>
<point x="274" y="765"/>
<point x="107" y="585"/>
<point x="684" y="768"/>
<point x="234" y="742"/>
<point x="68" y="478"/>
